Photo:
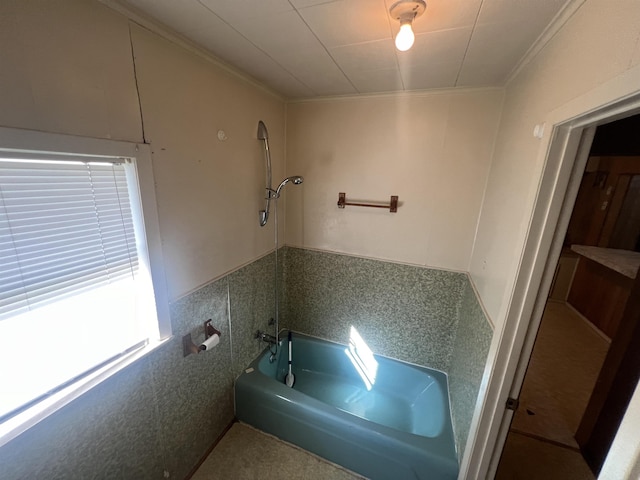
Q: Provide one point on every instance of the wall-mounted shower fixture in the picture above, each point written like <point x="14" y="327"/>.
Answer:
<point x="270" y="193"/>
<point x="271" y="340"/>
<point x="296" y="179"/>
<point x="263" y="135"/>
<point x="265" y="337"/>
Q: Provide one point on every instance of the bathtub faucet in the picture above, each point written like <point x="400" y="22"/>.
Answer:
<point x="265" y="337"/>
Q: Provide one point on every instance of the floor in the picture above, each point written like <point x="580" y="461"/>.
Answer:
<point x="245" y="453"/>
<point x="562" y="371"/>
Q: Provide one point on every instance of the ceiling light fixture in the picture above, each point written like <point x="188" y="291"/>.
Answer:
<point x="405" y="11"/>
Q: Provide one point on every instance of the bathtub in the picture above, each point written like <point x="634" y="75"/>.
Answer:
<point x="379" y="417"/>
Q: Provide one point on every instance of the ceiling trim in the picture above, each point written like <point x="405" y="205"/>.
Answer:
<point x="165" y="32"/>
<point x="545" y="37"/>
<point x="410" y="93"/>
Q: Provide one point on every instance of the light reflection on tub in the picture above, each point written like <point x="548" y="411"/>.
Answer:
<point x="362" y="358"/>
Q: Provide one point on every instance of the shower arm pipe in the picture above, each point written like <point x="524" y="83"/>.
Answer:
<point x="276" y="290"/>
<point x="296" y="180"/>
<point x="272" y="194"/>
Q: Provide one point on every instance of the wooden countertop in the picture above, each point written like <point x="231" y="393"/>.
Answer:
<point x="625" y="262"/>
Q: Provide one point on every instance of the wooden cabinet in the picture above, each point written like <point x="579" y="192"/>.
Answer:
<point x="602" y="283"/>
<point x="607" y="209"/>
<point x="600" y="294"/>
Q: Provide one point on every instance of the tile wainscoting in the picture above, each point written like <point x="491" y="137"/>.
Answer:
<point x="163" y="412"/>
<point x="425" y="316"/>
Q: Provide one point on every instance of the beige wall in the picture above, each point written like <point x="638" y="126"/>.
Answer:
<point x="433" y="150"/>
<point x="68" y="68"/>
<point x="208" y="191"/>
<point x="596" y="45"/>
<point x="592" y="61"/>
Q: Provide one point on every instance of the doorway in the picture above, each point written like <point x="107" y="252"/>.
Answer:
<point x="582" y="312"/>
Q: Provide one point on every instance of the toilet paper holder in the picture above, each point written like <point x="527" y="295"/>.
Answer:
<point x="188" y="347"/>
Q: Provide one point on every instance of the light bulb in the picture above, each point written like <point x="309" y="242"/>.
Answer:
<point x="405" y="37"/>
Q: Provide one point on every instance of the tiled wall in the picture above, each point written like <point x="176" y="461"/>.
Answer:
<point x="420" y="315"/>
<point x="252" y="306"/>
<point x="163" y="412"/>
<point x="470" y="348"/>
<point x="401" y="311"/>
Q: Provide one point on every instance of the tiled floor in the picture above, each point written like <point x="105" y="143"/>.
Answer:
<point x="245" y="453"/>
<point x="563" y="369"/>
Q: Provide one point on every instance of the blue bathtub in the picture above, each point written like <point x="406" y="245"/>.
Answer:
<point x="381" y="418"/>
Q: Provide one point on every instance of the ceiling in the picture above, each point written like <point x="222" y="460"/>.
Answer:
<point x="311" y="48"/>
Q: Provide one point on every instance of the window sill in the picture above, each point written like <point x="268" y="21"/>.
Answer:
<point x="15" y="426"/>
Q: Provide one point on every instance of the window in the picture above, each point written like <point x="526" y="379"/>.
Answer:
<point x="78" y="261"/>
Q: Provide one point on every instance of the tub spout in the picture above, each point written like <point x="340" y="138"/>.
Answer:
<point x="265" y="337"/>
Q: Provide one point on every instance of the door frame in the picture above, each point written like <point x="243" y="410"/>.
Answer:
<point x="576" y="142"/>
<point x="563" y="153"/>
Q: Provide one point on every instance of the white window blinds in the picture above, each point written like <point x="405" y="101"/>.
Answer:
<point x="65" y="227"/>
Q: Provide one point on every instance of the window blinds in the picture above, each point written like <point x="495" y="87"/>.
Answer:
<point x="65" y="227"/>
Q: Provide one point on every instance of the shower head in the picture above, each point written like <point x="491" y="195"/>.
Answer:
<point x="262" y="131"/>
<point x="297" y="180"/>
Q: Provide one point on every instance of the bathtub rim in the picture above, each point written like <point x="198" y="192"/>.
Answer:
<point x="358" y="420"/>
<point x="446" y="375"/>
<point x="345" y="345"/>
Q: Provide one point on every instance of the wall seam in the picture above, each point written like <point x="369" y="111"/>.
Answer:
<point x="135" y="79"/>
<point x="220" y="277"/>
<point x="140" y="19"/>
<point x="229" y="321"/>
<point x="486" y="182"/>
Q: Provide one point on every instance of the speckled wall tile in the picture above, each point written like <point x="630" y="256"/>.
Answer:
<point x="470" y="350"/>
<point x="161" y="413"/>
<point x="189" y="313"/>
<point x="111" y="432"/>
<point x="401" y="311"/>
<point x="164" y="411"/>
<point x="251" y="296"/>
<point x="424" y="316"/>
<point x="194" y="393"/>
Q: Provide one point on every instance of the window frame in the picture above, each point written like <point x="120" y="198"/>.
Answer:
<point x="44" y="142"/>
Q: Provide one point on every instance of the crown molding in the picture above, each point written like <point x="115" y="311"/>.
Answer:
<point x="142" y="19"/>
<point x="561" y="18"/>
<point x="408" y="93"/>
